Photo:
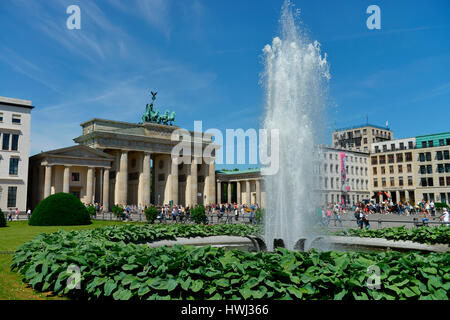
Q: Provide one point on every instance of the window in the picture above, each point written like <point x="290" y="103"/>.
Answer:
<point x="399" y="157"/>
<point x="422" y="157"/>
<point x="1" y="117"/>
<point x="440" y="168"/>
<point x="393" y="147"/>
<point x="448" y="181"/>
<point x="410" y="181"/>
<point x="408" y="156"/>
<point x="430" y="143"/>
<point x="13" y="166"/>
<point x="400" y="181"/>
<point x="446" y="155"/>
<point x="424" y="144"/>
<point x="423" y="182"/>
<point x="448" y="141"/>
<point x="391" y="169"/>
<point x="447" y="167"/>
<point x="375" y="182"/>
<point x="392" y="179"/>
<point x="383" y="170"/>
<point x="12" y="196"/>
<point x="374" y="170"/>
<point x="423" y="169"/>
<point x="384" y="148"/>
<point x="408" y="168"/>
<point x="16" y="119"/>
<point x="15" y="142"/>
<point x="441" y="181"/>
<point x="400" y="169"/>
<point x="410" y="145"/>
<point x="428" y="155"/>
<point x="383" y="182"/>
<point x="439" y="155"/>
<point x="430" y="182"/>
<point x="382" y="159"/>
<point x="5" y="141"/>
<point x="402" y="146"/>
<point x="391" y="158"/>
<point x="374" y="160"/>
<point x="441" y="142"/>
<point x="75" y="176"/>
<point x="377" y="149"/>
<point x="429" y="169"/>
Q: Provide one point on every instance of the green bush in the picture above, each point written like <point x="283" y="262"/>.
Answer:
<point x="198" y="214"/>
<point x="151" y="213"/>
<point x="2" y="219"/>
<point x="118" y="211"/>
<point x="440" y="205"/>
<point x="259" y="215"/>
<point x="115" y="267"/>
<point x="92" y="211"/>
<point x="60" y="209"/>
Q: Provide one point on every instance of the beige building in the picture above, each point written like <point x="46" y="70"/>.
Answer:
<point x="243" y="187"/>
<point x="120" y="162"/>
<point x="392" y="170"/>
<point x="15" y="123"/>
<point x="360" y="138"/>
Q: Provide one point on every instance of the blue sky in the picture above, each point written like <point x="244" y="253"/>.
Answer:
<point x="204" y="57"/>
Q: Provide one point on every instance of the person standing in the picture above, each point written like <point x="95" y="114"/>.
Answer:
<point x="28" y="213"/>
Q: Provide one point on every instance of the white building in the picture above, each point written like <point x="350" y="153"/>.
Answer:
<point x="343" y="175"/>
<point x="15" y="119"/>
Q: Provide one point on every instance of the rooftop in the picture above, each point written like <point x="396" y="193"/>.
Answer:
<point x="363" y="126"/>
<point x="16" y="102"/>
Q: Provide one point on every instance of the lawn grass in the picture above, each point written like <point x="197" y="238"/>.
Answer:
<point x="11" y="238"/>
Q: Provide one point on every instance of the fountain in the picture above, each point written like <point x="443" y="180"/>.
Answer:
<point x="295" y="79"/>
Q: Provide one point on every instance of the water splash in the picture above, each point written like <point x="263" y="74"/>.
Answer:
<point x="296" y="84"/>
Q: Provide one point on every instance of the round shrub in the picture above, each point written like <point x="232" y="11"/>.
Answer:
<point x="198" y="214"/>
<point x="2" y="219"/>
<point x="151" y="213"/>
<point x="60" y="209"/>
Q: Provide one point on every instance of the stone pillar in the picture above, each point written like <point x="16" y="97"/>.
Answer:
<point x="146" y="178"/>
<point x="212" y="181"/>
<point x="48" y="181"/>
<point x="66" y="179"/>
<point x="194" y="181"/>
<point x="258" y="192"/>
<point x="238" y="192"/>
<point x="122" y="180"/>
<point x="174" y="181"/>
<point x="219" y="192"/>
<point x="247" y="190"/>
<point x="106" y="190"/>
<point x="229" y="192"/>
<point x="89" y="184"/>
<point x="398" y="196"/>
<point x="407" y="195"/>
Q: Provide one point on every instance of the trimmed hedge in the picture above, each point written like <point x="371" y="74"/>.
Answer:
<point x="2" y="219"/>
<point x="60" y="209"/>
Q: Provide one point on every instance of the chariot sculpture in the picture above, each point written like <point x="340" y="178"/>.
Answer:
<point x="154" y="116"/>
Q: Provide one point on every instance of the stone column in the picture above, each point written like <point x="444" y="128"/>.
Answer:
<point x="48" y="181"/>
<point x="66" y="179"/>
<point x="238" y="192"/>
<point x="258" y="192"/>
<point x="106" y="190"/>
<point x="247" y="190"/>
<point x="122" y="180"/>
<point x="146" y="182"/>
<point x="212" y="181"/>
<point x="229" y="192"/>
<point x="219" y="192"/>
<point x="89" y="184"/>
<point x="407" y="195"/>
<point x="194" y="181"/>
<point x="174" y="182"/>
<point x="398" y="196"/>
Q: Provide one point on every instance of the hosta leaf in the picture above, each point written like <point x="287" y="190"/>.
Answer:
<point x="110" y="285"/>
<point x="196" y="285"/>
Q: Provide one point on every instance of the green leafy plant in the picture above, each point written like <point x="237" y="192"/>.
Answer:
<point x="429" y="235"/>
<point x="259" y="215"/>
<point x="198" y="214"/>
<point x="151" y="213"/>
<point x="117" y="211"/>
<point x="60" y="209"/>
<point x="114" y="267"/>
<point x="440" y="205"/>
<point x="2" y="219"/>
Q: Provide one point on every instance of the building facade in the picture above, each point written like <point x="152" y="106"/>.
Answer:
<point x="360" y="138"/>
<point x="343" y="176"/>
<point x="392" y="170"/>
<point x="128" y="164"/>
<point x="15" y="124"/>
<point x="432" y="167"/>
